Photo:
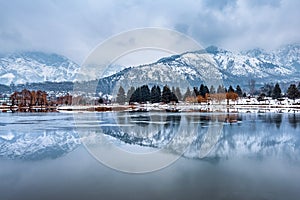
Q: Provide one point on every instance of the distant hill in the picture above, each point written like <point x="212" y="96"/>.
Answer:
<point x="29" y="67"/>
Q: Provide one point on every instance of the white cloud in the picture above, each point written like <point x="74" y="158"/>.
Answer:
<point x="74" y="28"/>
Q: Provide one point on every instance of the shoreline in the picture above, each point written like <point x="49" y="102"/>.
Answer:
<point x="181" y="107"/>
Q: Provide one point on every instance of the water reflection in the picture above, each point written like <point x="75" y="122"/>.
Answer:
<point x="294" y="120"/>
<point x="38" y="136"/>
<point x="246" y="135"/>
<point x="275" y="118"/>
<point x="253" y="157"/>
<point x="145" y="129"/>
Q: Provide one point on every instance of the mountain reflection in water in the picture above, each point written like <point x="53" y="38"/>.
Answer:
<point x="252" y="156"/>
<point x="38" y="136"/>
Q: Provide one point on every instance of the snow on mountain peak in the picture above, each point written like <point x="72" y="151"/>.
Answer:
<point x="36" y="67"/>
<point x="282" y="64"/>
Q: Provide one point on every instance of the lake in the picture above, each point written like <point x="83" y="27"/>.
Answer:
<point x="149" y="155"/>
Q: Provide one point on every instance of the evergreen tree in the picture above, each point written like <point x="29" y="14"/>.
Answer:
<point x="194" y="94"/>
<point x="230" y="89"/>
<point x="298" y="86"/>
<point x="173" y="98"/>
<point x="145" y="94"/>
<point x="196" y="91"/>
<point x="221" y="89"/>
<point x="293" y="92"/>
<point x="212" y="89"/>
<point x="267" y="89"/>
<point x="276" y="92"/>
<point x="101" y="100"/>
<point x="239" y="91"/>
<point x="173" y="90"/>
<point x="136" y="96"/>
<point x="155" y="94"/>
<point x="187" y="94"/>
<point x="178" y="94"/>
<point x="129" y="93"/>
<point x="201" y="91"/>
<point x="121" y="96"/>
<point x="206" y="90"/>
<point x="158" y="93"/>
<point x="166" y="94"/>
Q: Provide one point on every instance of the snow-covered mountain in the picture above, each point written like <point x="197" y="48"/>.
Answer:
<point x="210" y="66"/>
<point x="36" y="67"/>
<point x="279" y="65"/>
<point x="189" y="68"/>
<point x="35" y="146"/>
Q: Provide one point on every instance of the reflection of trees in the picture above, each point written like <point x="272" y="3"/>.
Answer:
<point x="278" y="120"/>
<point x="193" y="133"/>
<point x="140" y="120"/>
<point x="195" y="118"/>
<point x="204" y="119"/>
<point x="294" y="120"/>
<point x="147" y="128"/>
<point x="173" y="121"/>
<point x="272" y="119"/>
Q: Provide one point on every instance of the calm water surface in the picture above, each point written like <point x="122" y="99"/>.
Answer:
<point x="236" y="156"/>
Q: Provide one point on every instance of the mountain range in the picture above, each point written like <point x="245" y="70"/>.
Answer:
<point x="212" y="65"/>
<point x="29" y="67"/>
<point x="189" y="68"/>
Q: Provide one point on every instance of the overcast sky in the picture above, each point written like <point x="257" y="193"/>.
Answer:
<point x="74" y="27"/>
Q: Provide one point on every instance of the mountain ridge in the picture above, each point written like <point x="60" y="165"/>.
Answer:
<point x="230" y="67"/>
<point x="281" y="65"/>
<point x="35" y="66"/>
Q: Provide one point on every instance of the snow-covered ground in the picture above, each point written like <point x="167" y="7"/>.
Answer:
<point x="246" y="105"/>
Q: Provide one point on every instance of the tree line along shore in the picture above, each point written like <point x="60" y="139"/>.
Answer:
<point x="267" y="95"/>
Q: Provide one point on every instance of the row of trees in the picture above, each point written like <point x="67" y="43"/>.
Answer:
<point x="143" y="94"/>
<point x="38" y="98"/>
<point x="269" y="90"/>
<point x="29" y="98"/>
<point x="293" y="92"/>
<point x="202" y="94"/>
